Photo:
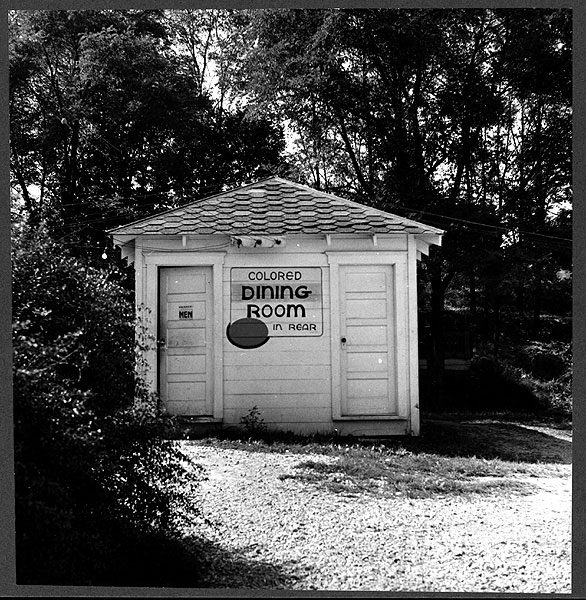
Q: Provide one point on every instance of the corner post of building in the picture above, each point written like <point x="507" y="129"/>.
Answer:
<point x="142" y="324"/>
<point x="335" y="338"/>
<point x="413" y="335"/>
<point x="151" y="293"/>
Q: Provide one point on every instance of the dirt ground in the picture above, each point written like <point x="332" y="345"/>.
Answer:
<point x="265" y="530"/>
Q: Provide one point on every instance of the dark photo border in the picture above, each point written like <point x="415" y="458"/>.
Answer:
<point x="8" y="587"/>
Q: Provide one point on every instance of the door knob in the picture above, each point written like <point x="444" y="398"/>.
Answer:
<point x="343" y="340"/>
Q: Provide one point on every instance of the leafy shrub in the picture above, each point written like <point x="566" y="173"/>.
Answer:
<point x="253" y="422"/>
<point x="494" y="385"/>
<point x="96" y="477"/>
<point x="538" y="378"/>
<point x="546" y="360"/>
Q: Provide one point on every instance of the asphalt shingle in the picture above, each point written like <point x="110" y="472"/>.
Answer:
<point x="277" y="206"/>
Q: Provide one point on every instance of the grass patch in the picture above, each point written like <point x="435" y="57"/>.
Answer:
<point x="489" y="436"/>
<point x="492" y="454"/>
<point x="383" y="472"/>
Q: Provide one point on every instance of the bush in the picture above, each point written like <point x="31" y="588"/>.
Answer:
<point x="96" y="477"/>
<point x="537" y="379"/>
<point x="495" y="386"/>
<point x="546" y="360"/>
<point x="253" y="422"/>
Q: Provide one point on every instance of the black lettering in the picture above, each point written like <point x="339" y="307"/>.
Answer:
<point x="302" y="292"/>
<point x="247" y="289"/>
<point x="261" y="291"/>
<point x="295" y="308"/>
<point x="281" y="296"/>
<point x="252" y="310"/>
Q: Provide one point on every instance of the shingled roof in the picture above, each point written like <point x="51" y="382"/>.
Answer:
<point x="273" y="206"/>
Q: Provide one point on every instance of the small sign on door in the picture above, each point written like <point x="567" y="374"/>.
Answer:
<point x="186" y="312"/>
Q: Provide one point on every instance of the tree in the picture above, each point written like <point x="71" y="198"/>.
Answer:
<point x="536" y="57"/>
<point x="98" y="482"/>
<point x="418" y="112"/>
<point x="108" y="124"/>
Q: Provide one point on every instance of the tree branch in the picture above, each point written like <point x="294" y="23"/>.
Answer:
<point x="348" y="145"/>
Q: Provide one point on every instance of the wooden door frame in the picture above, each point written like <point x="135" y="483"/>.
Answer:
<point x="402" y="328"/>
<point x="152" y="265"/>
<point x="344" y="271"/>
<point x="165" y="332"/>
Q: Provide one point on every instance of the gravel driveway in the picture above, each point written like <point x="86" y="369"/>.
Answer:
<point x="267" y="532"/>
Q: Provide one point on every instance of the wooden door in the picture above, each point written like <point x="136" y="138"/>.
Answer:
<point x="186" y="334"/>
<point x="367" y="340"/>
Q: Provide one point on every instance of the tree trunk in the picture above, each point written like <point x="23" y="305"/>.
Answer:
<point x="497" y="327"/>
<point x="472" y="293"/>
<point x="537" y="294"/>
<point x="353" y="159"/>
<point x="436" y="357"/>
<point x="69" y="197"/>
<point x="436" y="361"/>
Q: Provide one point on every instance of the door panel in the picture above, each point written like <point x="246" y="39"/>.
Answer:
<point x="173" y="308"/>
<point x="367" y="362"/>
<point x="367" y="324"/>
<point x="365" y="281"/>
<point x="185" y="359"/>
<point x="186" y="364"/>
<point x="374" y="308"/>
<point x="185" y="338"/>
<point x="185" y="390"/>
<point x="188" y="284"/>
<point x="372" y="336"/>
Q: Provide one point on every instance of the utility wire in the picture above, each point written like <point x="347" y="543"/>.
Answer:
<point x="487" y="225"/>
<point x="495" y="228"/>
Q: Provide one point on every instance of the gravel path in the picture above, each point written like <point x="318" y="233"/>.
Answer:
<point x="265" y="532"/>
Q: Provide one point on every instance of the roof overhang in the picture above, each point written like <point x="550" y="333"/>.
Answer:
<point x="127" y="246"/>
<point x="423" y="241"/>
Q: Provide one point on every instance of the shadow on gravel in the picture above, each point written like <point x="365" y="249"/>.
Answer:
<point x="506" y="441"/>
<point x="480" y="438"/>
<point x="219" y="568"/>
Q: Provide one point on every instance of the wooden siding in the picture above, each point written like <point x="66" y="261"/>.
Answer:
<point x="289" y="378"/>
<point x="293" y="381"/>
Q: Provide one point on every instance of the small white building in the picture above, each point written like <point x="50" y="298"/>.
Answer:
<point x="281" y="297"/>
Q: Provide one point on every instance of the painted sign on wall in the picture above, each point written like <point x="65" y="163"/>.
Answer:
<point x="287" y="302"/>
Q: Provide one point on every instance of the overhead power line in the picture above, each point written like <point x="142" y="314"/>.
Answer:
<point x="496" y="229"/>
<point x="487" y="225"/>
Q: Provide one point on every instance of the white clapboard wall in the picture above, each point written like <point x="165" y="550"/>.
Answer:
<point x="367" y="385"/>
